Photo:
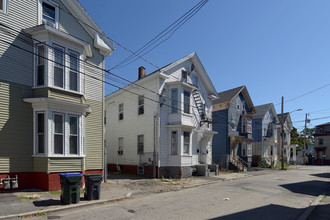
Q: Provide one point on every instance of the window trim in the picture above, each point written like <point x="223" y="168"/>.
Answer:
<point x="139" y="144"/>
<point x="40" y="12"/>
<point x="140" y="106"/>
<point x="120" y="146"/>
<point x="186" y="105"/>
<point x="174" y="143"/>
<point x="121" y="112"/>
<point x="244" y="149"/>
<point x="56" y="65"/>
<point x="185" y="143"/>
<point x="36" y="121"/>
<point x="4" y="7"/>
<point x="174" y="100"/>
<point x="70" y="69"/>
<point x="38" y="58"/>
<point x="75" y="135"/>
<point x="53" y="133"/>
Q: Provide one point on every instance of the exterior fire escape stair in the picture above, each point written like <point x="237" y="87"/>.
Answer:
<point x="200" y="107"/>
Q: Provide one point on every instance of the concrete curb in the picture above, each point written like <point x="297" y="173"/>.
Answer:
<point x="65" y="207"/>
<point x="311" y="207"/>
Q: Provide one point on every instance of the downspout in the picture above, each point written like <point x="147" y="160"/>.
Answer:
<point x="104" y="159"/>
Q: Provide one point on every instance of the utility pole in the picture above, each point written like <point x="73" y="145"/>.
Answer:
<point x="282" y="134"/>
<point x="306" y="120"/>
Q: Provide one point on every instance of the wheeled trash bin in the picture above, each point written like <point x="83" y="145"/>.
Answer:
<point x="93" y="186"/>
<point x="70" y="187"/>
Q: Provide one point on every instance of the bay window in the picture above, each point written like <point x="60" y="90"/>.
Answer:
<point x="40" y="81"/>
<point x="174" y="100"/>
<point x="74" y="64"/>
<point x="40" y="139"/>
<point x="73" y="136"/>
<point x="186" y="142"/>
<point x="58" y="66"/>
<point x="58" y="133"/>
<point x="186" y="102"/>
<point x="174" y="142"/>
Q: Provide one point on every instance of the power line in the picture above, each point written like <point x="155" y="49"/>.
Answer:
<point x="162" y="34"/>
<point x="91" y="65"/>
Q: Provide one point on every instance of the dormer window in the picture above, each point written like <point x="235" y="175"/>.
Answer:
<point x="48" y="13"/>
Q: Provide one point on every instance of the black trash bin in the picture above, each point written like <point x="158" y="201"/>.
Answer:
<point x="93" y="186"/>
<point x="70" y="187"/>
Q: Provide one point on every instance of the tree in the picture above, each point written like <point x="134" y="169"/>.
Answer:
<point x="298" y="138"/>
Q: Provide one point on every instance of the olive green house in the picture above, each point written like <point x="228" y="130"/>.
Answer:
<point x="51" y="92"/>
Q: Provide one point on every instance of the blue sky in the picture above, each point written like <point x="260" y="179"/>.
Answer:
<point x="276" y="48"/>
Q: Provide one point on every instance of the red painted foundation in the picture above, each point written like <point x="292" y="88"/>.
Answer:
<point x="40" y="180"/>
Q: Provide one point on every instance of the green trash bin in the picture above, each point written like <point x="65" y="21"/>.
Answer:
<point x="93" y="186"/>
<point x="70" y="187"/>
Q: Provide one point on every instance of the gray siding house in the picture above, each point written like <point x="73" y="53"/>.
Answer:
<point x="232" y="117"/>
<point x="51" y="92"/>
<point x="265" y="124"/>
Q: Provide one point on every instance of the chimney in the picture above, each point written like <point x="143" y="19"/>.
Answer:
<point x="142" y="72"/>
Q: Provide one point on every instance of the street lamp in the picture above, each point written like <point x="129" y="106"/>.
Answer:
<point x="282" y="131"/>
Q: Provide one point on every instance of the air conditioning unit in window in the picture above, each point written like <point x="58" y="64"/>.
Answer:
<point x="48" y="23"/>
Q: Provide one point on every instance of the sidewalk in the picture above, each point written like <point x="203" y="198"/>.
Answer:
<point x="118" y="187"/>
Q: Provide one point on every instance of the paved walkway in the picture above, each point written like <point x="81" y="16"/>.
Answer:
<point x="118" y="187"/>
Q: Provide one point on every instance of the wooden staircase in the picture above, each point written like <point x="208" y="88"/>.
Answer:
<point x="238" y="164"/>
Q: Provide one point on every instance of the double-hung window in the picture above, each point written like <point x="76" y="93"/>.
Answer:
<point x="186" y="142"/>
<point x="244" y="149"/>
<point x="174" y="142"/>
<point x="140" y="144"/>
<point x="48" y="12"/>
<point x="40" y="139"/>
<point x="121" y="111"/>
<point x="120" y="145"/>
<point x="58" y="66"/>
<point x="40" y="77"/>
<point x="73" y="135"/>
<point x="184" y="76"/>
<point x="74" y="68"/>
<point x="186" y="102"/>
<point x="141" y="105"/>
<point x="58" y="133"/>
<point x="174" y="100"/>
<point x="249" y="149"/>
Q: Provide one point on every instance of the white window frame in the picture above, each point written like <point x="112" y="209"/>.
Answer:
<point x="4" y="6"/>
<point x="244" y="149"/>
<point x="249" y="149"/>
<point x="38" y="58"/>
<point x="73" y="135"/>
<point x="36" y="122"/>
<point x="40" y="13"/>
<point x="121" y="111"/>
<point x="141" y="105"/>
<point x="56" y="65"/>
<point x="174" y="100"/>
<point x="63" y="133"/>
<point x="186" y="145"/>
<point x="120" y="146"/>
<point x="186" y="105"/>
<point x="237" y="104"/>
<point x="71" y="70"/>
<point x="139" y="144"/>
<point x="174" y="143"/>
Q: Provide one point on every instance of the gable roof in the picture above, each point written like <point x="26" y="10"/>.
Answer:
<point x="229" y="95"/>
<point x="100" y="40"/>
<point x="261" y="111"/>
<point x="198" y="65"/>
<point x="321" y="125"/>
<point x="286" y="117"/>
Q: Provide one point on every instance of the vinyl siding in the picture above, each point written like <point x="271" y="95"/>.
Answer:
<point x="40" y="164"/>
<point x="94" y="136"/>
<point x="16" y="137"/>
<point x="65" y="96"/>
<point x="65" y="165"/>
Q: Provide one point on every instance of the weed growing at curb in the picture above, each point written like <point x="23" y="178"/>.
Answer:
<point x="55" y="192"/>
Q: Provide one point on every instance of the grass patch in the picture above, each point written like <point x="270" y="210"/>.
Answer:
<point x="55" y="192"/>
<point x="34" y="196"/>
<point x="42" y="213"/>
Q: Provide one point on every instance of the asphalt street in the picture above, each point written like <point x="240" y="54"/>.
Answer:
<point x="281" y="195"/>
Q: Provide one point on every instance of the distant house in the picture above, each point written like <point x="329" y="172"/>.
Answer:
<point x="289" y="150"/>
<point x="51" y="93"/>
<point x="232" y="116"/>
<point x="265" y="124"/>
<point x="322" y="144"/>
<point x="161" y="124"/>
